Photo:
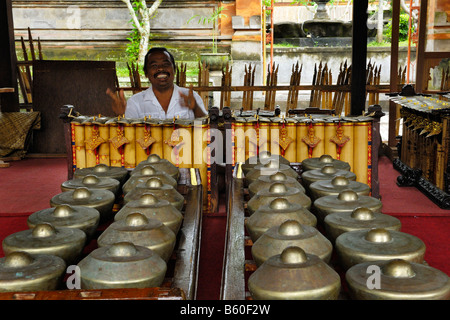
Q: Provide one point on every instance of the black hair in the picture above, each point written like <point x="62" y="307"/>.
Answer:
<point x="158" y="49"/>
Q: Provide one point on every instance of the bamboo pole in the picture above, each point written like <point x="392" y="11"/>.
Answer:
<point x="30" y="40"/>
<point x="311" y="97"/>
<point x="225" y="96"/>
<point x="203" y="81"/>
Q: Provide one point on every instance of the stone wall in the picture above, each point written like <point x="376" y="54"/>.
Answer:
<point x="308" y="57"/>
<point x="99" y="29"/>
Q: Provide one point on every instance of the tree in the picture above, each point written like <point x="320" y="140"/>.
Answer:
<point x="380" y="21"/>
<point x="141" y="15"/>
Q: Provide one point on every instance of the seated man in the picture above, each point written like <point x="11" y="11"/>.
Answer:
<point x="163" y="99"/>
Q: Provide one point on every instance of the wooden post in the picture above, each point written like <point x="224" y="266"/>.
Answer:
<point x="9" y="101"/>
<point x="359" y="56"/>
<point x="420" y="52"/>
<point x="394" y="75"/>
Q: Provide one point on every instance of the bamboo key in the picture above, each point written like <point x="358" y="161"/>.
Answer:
<point x="404" y="75"/>
<point x="249" y="79"/>
<point x="377" y="82"/>
<point x="225" y="95"/>
<point x="338" y="82"/>
<point x="271" y="81"/>
<point x="203" y="81"/>
<point x="181" y="75"/>
<point x="316" y="102"/>
<point x="130" y="74"/>
<point x="345" y="79"/>
<point x="30" y="40"/>
<point x="311" y="98"/>
<point x="324" y="80"/>
<point x="293" y="92"/>
<point x="25" y="76"/>
<point x="445" y="80"/>
<point x="40" y="49"/>
<point x="135" y="79"/>
<point x="369" y="79"/>
<point x="252" y="84"/>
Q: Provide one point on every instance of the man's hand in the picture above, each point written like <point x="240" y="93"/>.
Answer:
<point x="119" y="102"/>
<point x="189" y="100"/>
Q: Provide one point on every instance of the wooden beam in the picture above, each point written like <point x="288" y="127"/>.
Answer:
<point x="394" y="72"/>
<point x="421" y="73"/>
<point x="9" y="102"/>
<point x="359" y="57"/>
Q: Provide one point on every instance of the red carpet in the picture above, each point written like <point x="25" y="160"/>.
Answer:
<point x="211" y="258"/>
<point x="28" y="185"/>
<point x="418" y="214"/>
<point x="402" y="200"/>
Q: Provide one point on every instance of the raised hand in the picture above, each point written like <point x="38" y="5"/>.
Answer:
<point x="189" y="100"/>
<point x="119" y="102"/>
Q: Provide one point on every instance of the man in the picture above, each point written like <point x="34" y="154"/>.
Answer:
<point x="163" y="99"/>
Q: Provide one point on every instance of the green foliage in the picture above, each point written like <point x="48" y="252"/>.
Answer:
<point x="213" y="18"/>
<point x="132" y="49"/>
<point x="403" y="28"/>
<point x="386" y="44"/>
<point x="303" y="2"/>
<point x="312" y="3"/>
<point x="133" y="46"/>
<point x="208" y="19"/>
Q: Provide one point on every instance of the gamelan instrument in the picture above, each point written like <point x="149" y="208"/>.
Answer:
<point x="287" y="234"/>
<point x="265" y="181"/>
<point x="336" y="185"/>
<point x="99" y="199"/>
<point x="79" y="217"/>
<point x="202" y="143"/>
<point x="66" y="243"/>
<point x="425" y="146"/>
<point x="159" y="189"/>
<point x="22" y="271"/>
<point x="399" y="280"/>
<point x="128" y="266"/>
<point x="278" y="190"/>
<point x="294" y="275"/>
<point x="360" y="218"/>
<point x="140" y="230"/>
<point x="275" y="213"/>
<point x="345" y="201"/>
<point x="154" y="208"/>
<point x="359" y="246"/>
<point x="323" y="160"/>
<point x="91" y="181"/>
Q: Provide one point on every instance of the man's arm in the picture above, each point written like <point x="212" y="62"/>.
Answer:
<point x="192" y="103"/>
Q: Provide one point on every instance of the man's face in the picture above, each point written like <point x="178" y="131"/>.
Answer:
<point x="160" y="70"/>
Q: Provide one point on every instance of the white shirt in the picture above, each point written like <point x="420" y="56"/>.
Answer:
<point x="145" y="103"/>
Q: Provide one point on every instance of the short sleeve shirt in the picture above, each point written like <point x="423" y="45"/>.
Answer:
<point x="145" y="104"/>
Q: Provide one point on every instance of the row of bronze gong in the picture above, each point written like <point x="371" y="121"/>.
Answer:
<point x="145" y="225"/>
<point x="111" y="233"/>
<point x="299" y="234"/>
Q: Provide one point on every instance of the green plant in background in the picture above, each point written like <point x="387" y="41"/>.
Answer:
<point x="140" y="19"/>
<point x="403" y="28"/>
<point x="303" y="3"/>
<point x="214" y="19"/>
<point x="132" y="49"/>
